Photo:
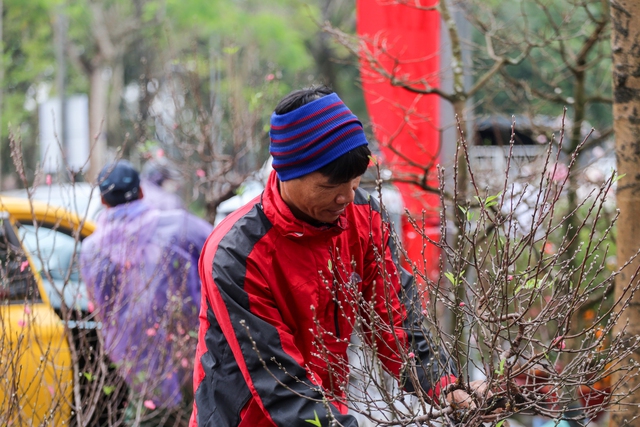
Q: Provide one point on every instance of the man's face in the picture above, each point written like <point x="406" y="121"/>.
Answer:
<point x="312" y="198"/>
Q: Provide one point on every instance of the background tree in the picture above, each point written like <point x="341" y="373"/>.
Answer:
<point x="625" y="39"/>
<point x="102" y="32"/>
<point x="28" y="71"/>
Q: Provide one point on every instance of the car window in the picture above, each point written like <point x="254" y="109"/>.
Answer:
<point x="17" y="283"/>
<point x="55" y="256"/>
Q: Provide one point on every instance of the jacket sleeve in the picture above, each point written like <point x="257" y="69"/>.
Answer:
<point x="198" y="230"/>
<point x="100" y="275"/>
<point x="396" y="300"/>
<point x="261" y="344"/>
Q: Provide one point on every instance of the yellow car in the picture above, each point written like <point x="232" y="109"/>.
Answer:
<point x="43" y="306"/>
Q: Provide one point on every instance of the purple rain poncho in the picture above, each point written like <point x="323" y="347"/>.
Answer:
<point x="159" y="198"/>
<point x="141" y="271"/>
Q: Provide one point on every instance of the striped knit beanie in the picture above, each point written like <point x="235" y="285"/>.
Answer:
<point x="312" y="136"/>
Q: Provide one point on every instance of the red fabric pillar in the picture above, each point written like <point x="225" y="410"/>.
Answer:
<point x="405" y="40"/>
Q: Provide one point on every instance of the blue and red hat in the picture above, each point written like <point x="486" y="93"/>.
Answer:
<point x="312" y="136"/>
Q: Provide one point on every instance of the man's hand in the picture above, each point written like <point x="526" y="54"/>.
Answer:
<point x="460" y="399"/>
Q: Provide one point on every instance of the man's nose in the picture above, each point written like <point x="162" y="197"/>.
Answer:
<point x="345" y="197"/>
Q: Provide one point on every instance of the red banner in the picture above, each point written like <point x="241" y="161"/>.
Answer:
<point x="401" y="42"/>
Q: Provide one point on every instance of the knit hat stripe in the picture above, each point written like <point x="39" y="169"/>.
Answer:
<point x="301" y="155"/>
<point x="303" y="144"/>
<point x="303" y="167"/>
<point x="280" y="138"/>
<point x="301" y="120"/>
<point x="312" y="136"/>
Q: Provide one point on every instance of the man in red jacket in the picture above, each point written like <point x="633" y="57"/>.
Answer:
<point x="286" y="277"/>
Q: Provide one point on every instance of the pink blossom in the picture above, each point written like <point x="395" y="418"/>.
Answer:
<point x="184" y="362"/>
<point x="51" y="390"/>
<point x="27" y="309"/>
<point x="91" y="307"/>
<point x="24" y="265"/>
<point x="160" y="153"/>
<point x="509" y="277"/>
<point x="156" y="325"/>
<point x="424" y="312"/>
<point x="462" y="304"/>
<point x="151" y="332"/>
<point x="48" y="179"/>
<point x="411" y="355"/>
<point x="559" y="172"/>
<point x="200" y="173"/>
<point x="149" y="404"/>
<point x="559" y="342"/>
<point x="22" y="323"/>
<point x="269" y="77"/>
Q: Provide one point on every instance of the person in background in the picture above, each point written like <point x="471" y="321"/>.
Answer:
<point x="160" y="181"/>
<point x="285" y="277"/>
<point x="140" y="269"/>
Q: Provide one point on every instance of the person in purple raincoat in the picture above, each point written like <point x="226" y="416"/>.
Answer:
<point x="159" y="180"/>
<point x="141" y="271"/>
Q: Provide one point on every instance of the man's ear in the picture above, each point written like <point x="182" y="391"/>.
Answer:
<point x="140" y="193"/>
<point x="104" y="202"/>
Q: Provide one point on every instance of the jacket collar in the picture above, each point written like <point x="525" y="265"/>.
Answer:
<point x="125" y="211"/>
<point x="287" y="224"/>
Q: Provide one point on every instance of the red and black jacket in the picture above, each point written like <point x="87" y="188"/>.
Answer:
<point x="279" y="302"/>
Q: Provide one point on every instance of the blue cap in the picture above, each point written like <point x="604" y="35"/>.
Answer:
<point x="119" y="183"/>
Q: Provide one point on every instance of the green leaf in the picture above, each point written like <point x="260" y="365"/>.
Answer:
<point x="231" y="50"/>
<point x="88" y="376"/>
<point x="500" y="369"/>
<point x="489" y="201"/>
<point x="108" y="389"/>
<point x="618" y="178"/>
<point x="530" y="284"/>
<point x="449" y="275"/>
<point x="455" y="281"/>
<point x="330" y="265"/>
<point x="467" y="212"/>
<point x="533" y="283"/>
<point x="315" y="422"/>
<point x="500" y="423"/>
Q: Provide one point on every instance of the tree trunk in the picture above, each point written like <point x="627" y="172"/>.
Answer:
<point x="113" y="125"/>
<point x="571" y="227"/>
<point x="98" y="103"/>
<point x="625" y="16"/>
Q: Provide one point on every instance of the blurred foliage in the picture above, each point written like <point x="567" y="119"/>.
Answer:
<point x="262" y="50"/>
<point x="559" y="30"/>
<point x="276" y="42"/>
